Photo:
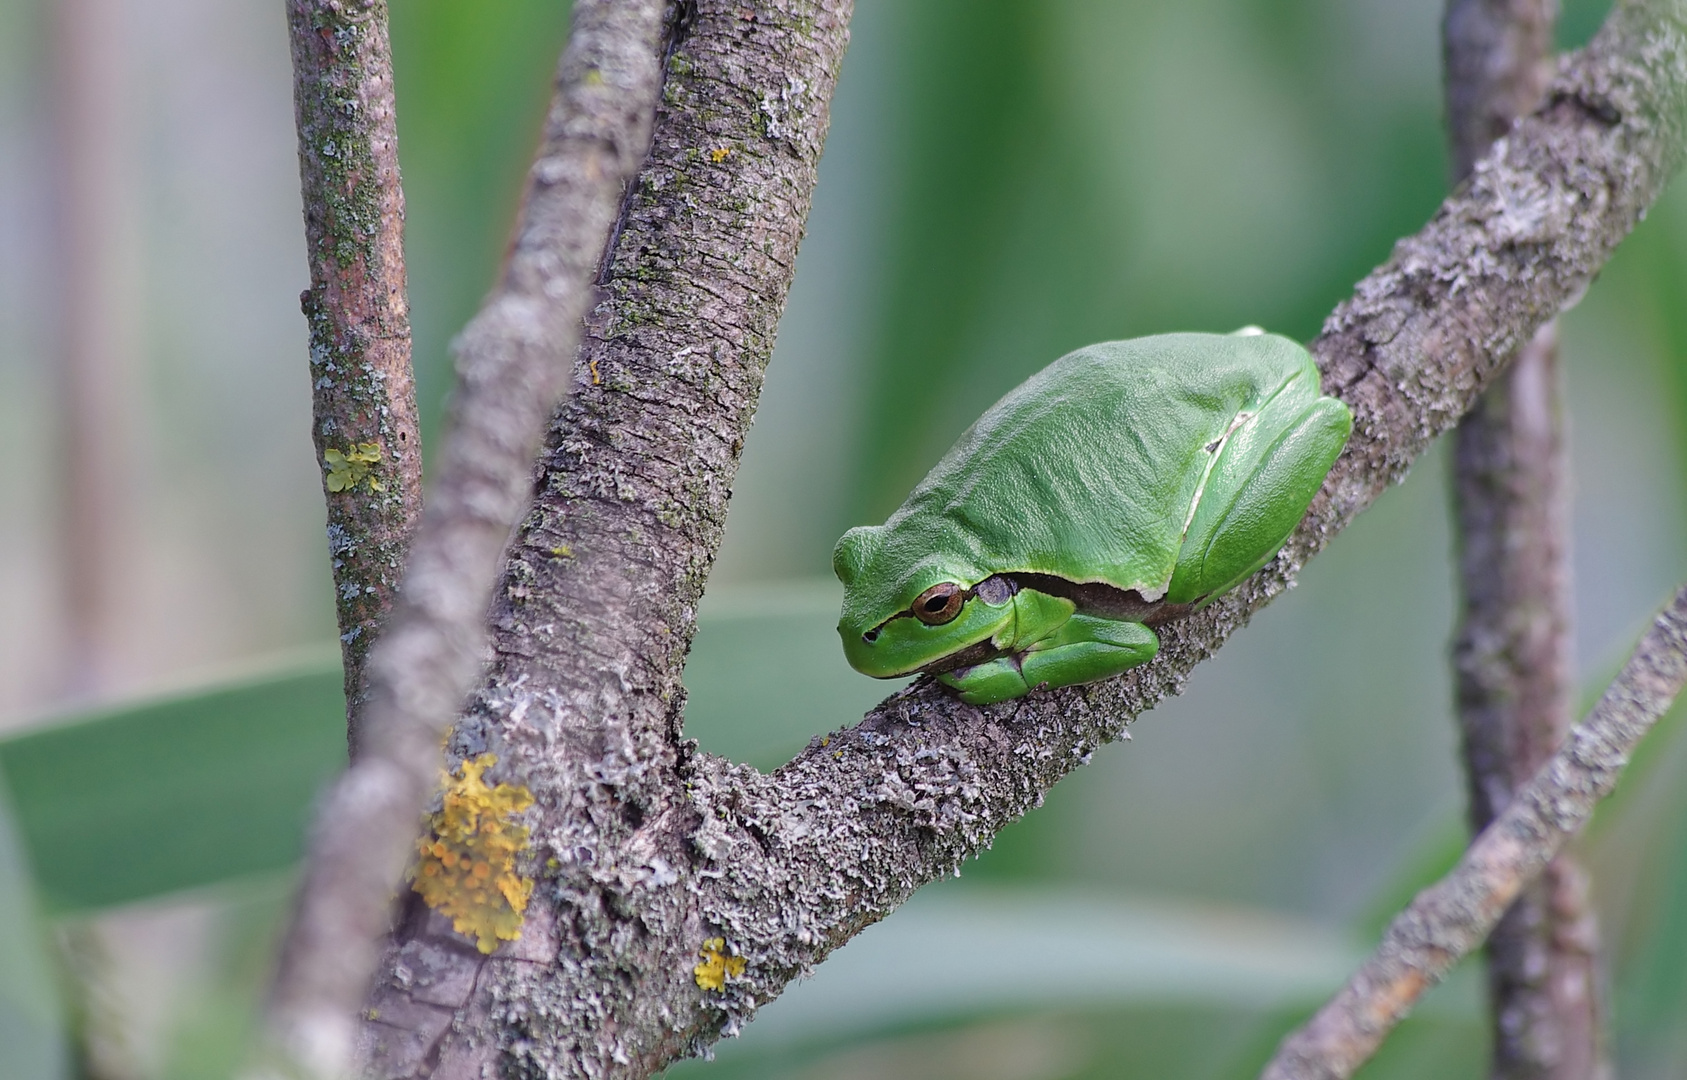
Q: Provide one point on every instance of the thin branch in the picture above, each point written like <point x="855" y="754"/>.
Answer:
<point x="363" y="393"/>
<point x="1452" y="917"/>
<point x="513" y="364"/>
<point x="645" y="848"/>
<point x="1511" y="657"/>
<point x="1498" y="60"/>
<point x="1512" y="650"/>
<point x="95" y="304"/>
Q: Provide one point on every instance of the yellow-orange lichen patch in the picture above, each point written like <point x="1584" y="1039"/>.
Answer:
<point x="467" y="865"/>
<point x="717" y="966"/>
<point x="353" y="466"/>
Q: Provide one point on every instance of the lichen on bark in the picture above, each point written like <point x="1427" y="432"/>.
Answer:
<point x="363" y="394"/>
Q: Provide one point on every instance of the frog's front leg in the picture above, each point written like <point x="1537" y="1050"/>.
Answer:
<point x="1083" y="649"/>
<point x="987" y="683"/>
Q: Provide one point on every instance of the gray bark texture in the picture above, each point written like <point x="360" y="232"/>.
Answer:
<point x="1511" y="653"/>
<point x="363" y="394"/>
<point x="645" y="848"/>
<point x="513" y="362"/>
<point x="1448" y="920"/>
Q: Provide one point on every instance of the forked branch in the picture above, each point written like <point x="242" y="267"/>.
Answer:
<point x="514" y="361"/>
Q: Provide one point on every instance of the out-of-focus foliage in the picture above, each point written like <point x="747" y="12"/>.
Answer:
<point x="195" y="790"/>
<point x="472" y="83"/>
<point x="31" y="1020"/>
<point x="1006" y="180"/>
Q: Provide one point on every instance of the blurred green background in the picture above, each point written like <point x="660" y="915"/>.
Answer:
<point x="1005" y="180"/>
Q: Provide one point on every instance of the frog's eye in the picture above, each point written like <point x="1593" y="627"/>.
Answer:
<point x="940" y="603"/>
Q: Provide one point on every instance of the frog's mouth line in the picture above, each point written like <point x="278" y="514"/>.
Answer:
<point x="980" y="653"/>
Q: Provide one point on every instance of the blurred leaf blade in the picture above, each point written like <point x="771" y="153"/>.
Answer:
<point x="168" y="795"/>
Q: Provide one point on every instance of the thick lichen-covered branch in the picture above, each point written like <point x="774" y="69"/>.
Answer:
<point x="645" y="852"/>
<point x="1511" y="654"/>
<point x="513" y="363"/>
<point x="363" y="394"/>
<point x="596" y="609"/>
<point x="1452" y="917"/>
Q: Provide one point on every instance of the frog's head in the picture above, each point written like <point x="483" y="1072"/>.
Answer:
<point x="910" y="610"/>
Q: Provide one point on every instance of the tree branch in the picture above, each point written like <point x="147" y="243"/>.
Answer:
<point x="363" y="393"/>
<point x="513" y="361"/>
<point x="1512" y="651"/>
<point x="645" y="848"/>
<point x="1453" y="916"/>
<point x="596" y="609"/>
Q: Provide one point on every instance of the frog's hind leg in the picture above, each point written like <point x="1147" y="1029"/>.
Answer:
<point x="1084" y="649"/>
<point x="1256" y="492"/>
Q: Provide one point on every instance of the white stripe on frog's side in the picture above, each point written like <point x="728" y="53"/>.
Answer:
<point x="1214" y="449"/>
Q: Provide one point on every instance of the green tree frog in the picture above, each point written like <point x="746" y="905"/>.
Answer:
<point x="1125" y="484"/>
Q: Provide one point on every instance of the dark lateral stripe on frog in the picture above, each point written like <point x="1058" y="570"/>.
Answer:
<point x="1107" y="601"/>
<point x="1091" y="597"/>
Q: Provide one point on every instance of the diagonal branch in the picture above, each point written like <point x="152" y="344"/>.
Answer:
<point x="646" y="849"/>
<point x="513" y="363"/>
<point x="1452" y="917"/>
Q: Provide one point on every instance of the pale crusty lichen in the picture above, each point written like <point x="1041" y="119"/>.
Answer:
<point x="467" y="869"/>
<point x="717" y="966"/>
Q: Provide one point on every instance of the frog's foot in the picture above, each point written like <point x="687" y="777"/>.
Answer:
<point x="987" y="683"/>
<point x="1083" y="650"/>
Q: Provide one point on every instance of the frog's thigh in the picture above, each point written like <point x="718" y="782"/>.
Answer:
<point x="987" y="683"/>
<point x="1239" y="526"/>
<point x="1086" y="649"/>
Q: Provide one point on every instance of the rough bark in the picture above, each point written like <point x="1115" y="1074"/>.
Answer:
<point x="645" y="848"/>
<point x="513" y="362"/>
<point x="1512" y="650"/>
<point x="363" y="394"/>
<point x="1452" y="917"/>
<point x="596" y="609"/>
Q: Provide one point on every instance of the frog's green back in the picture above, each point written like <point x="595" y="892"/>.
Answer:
<point x="1086" y="470"/>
